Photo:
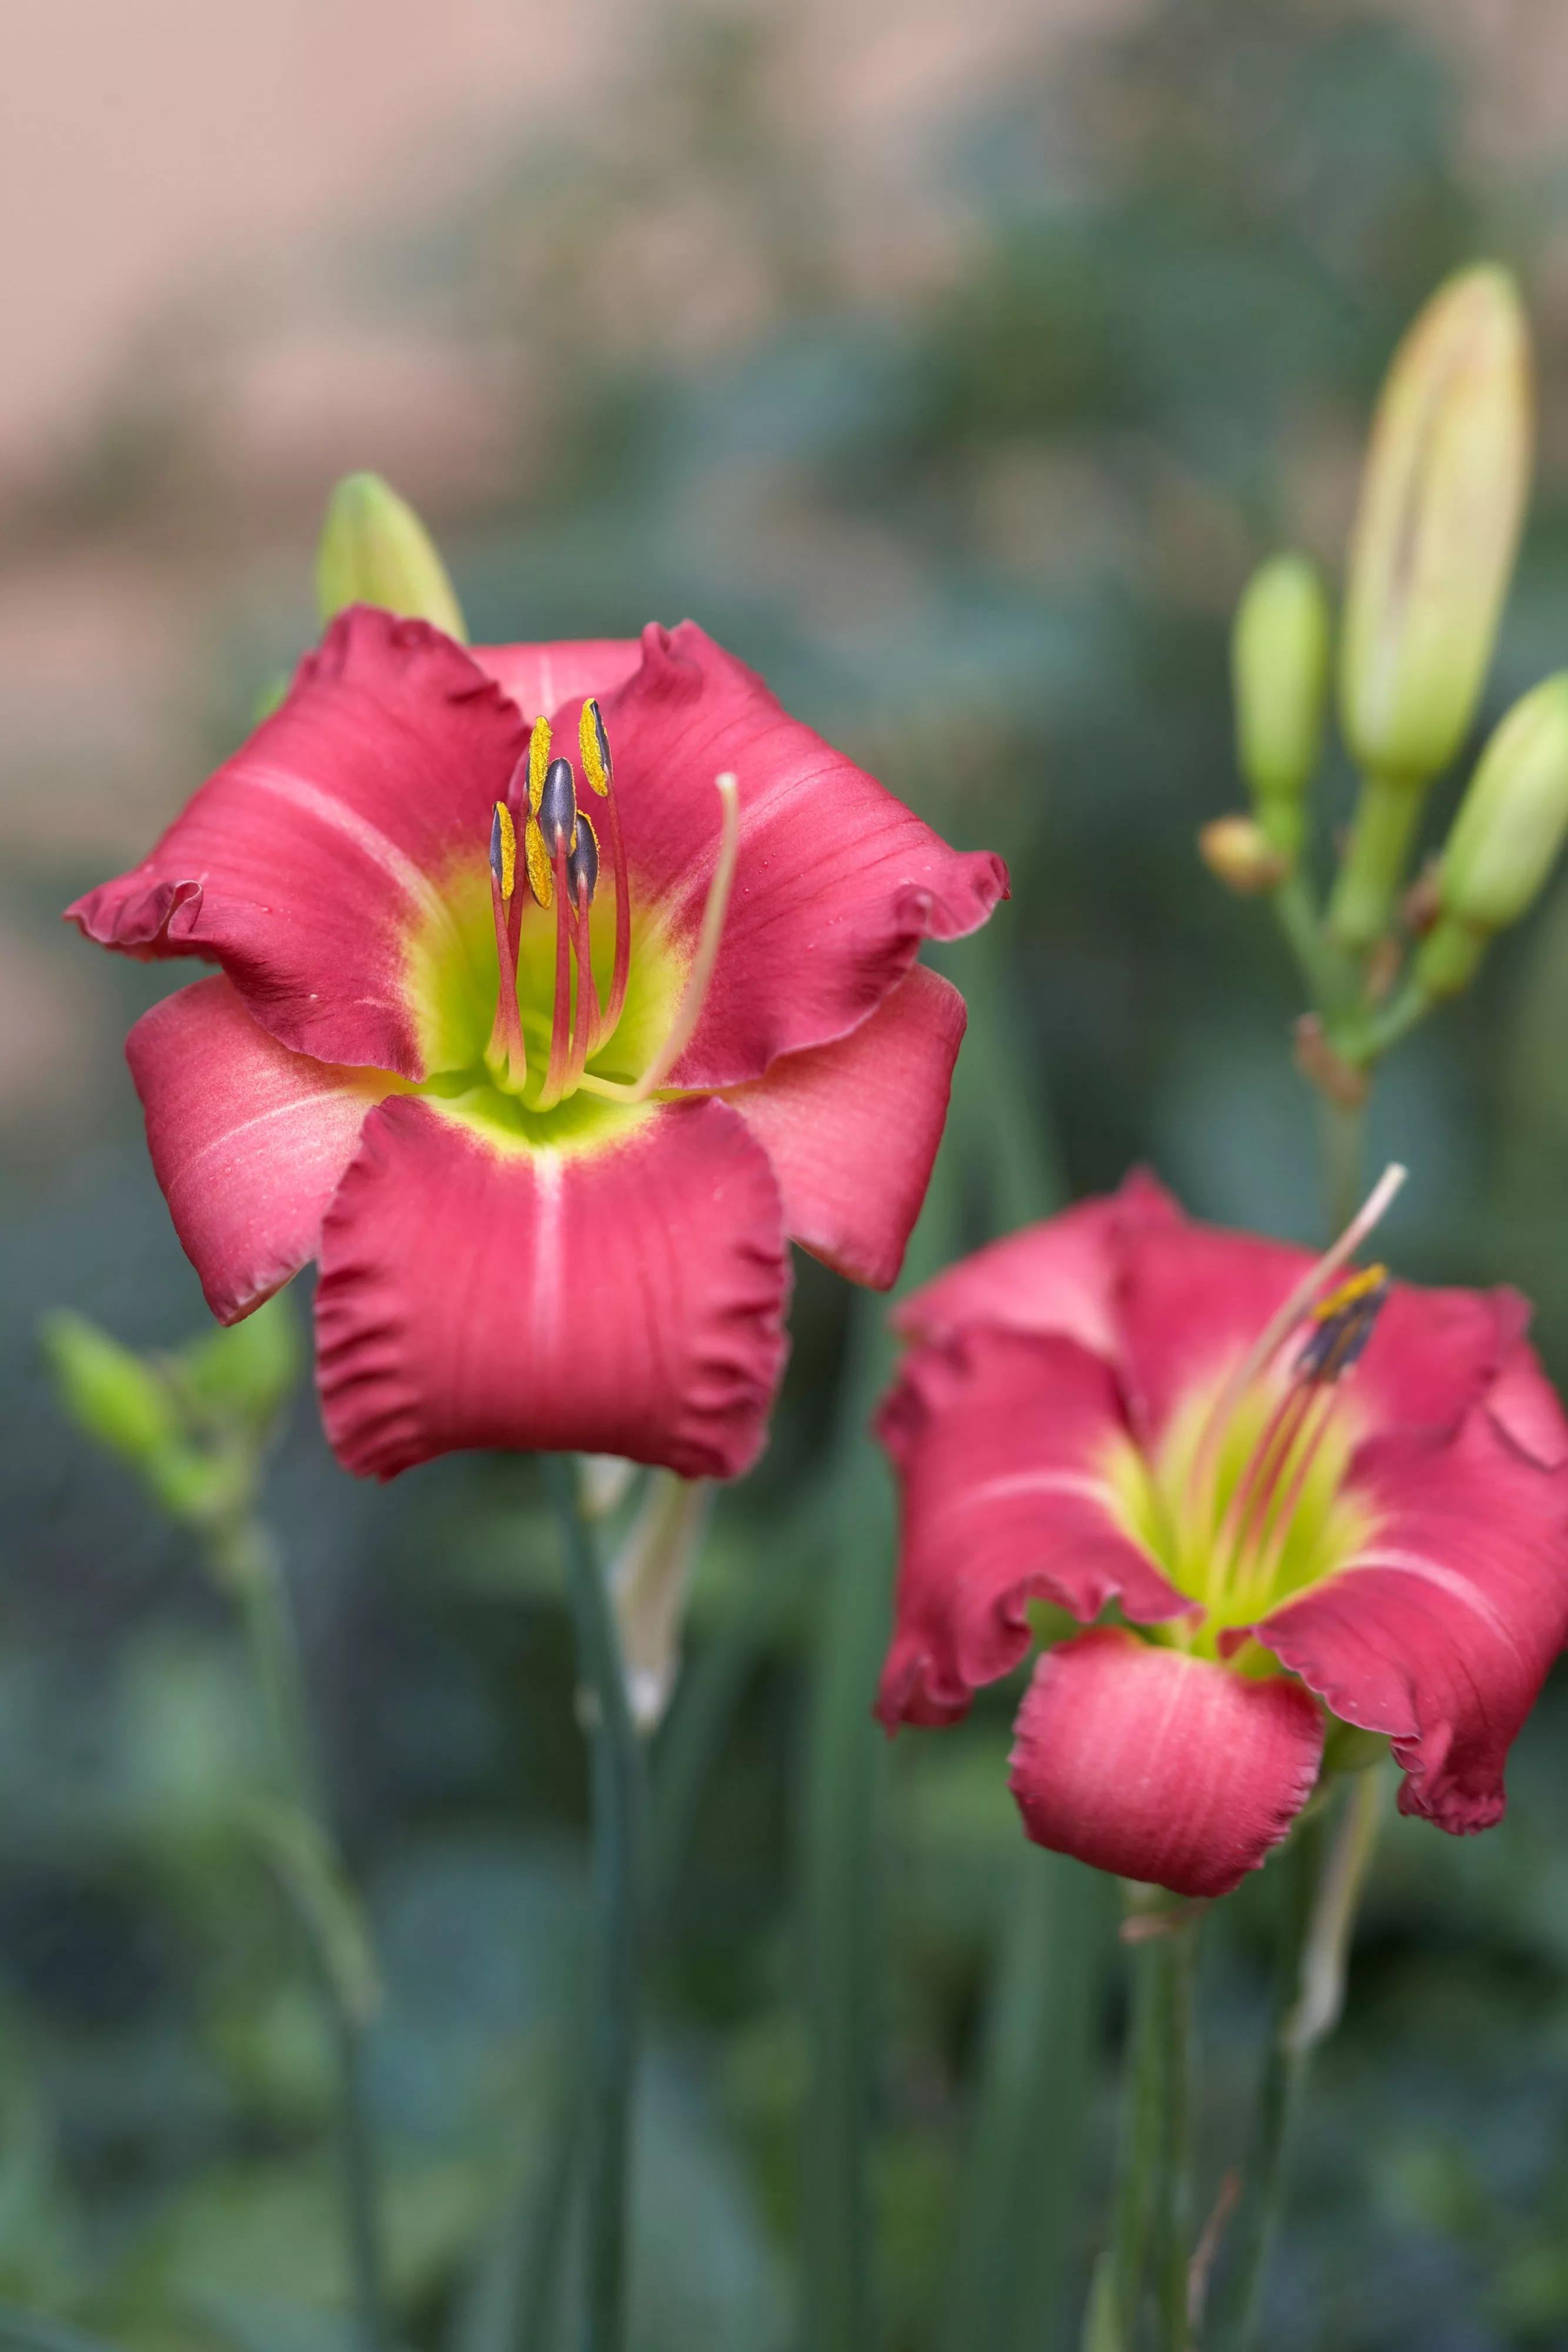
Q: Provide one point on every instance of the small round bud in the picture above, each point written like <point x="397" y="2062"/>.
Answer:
<point x="107" y="1391"/>
<point x="1436" y="528"/>
<point x="1278" y="660"/>
<point x="1238" y="851"/>
<point x="374" y="550"/>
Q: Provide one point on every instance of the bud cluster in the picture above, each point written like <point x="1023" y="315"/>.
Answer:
<point x="191" y="1425"/>
<point x="1432" y="552"/>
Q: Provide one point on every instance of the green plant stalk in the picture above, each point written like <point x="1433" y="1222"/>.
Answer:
<point x="1376" y="856"/>
<point x="246" y="1562"/>
<point x="616" y="1804"/>
<point x="1152" y="2225"/>
<point x="1024" y="2165"/>
<point x="1342" y="1134"/>
<point x="1325" y="1869"/>
<point x="1330" y="977"/>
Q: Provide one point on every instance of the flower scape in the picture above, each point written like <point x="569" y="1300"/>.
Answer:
<point x="547" y="1152"/>
<point x="1316" y="1505"/>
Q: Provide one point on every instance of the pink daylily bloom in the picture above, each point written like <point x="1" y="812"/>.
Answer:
<point x="1366" y="1520"/>
<point x="547" y="1135"/>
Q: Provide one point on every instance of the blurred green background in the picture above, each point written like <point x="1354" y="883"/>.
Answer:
<point x="954" y="367"/>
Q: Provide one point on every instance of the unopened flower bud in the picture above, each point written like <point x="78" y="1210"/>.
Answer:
<point x="1436" y="528"/>
<point x="648" y="1586"/>
<point x="1505" y="839"/>
<point x="108" y="1391"/>
<point x="374" y="550"/>
<point x="247" y="1370"/>
<point x="1279" y="658"/>
<point x="1238" y="851"/>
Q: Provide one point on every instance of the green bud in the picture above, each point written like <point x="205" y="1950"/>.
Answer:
<point x="1505" y="839"/>
<point x="1511" y="821"/>
<point x="107" y="1391"/>
<point x="248" y="1369"/>
<point x="1279" y="662"/>
<point x="1239" y="853"/>
<point x="1442" y="496"/>
<point x="374" y="550"/>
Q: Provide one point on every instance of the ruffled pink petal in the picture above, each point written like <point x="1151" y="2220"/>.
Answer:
<point x="249" y="1141"/>
<point x="1192" y="1299"/>
<point x="1004" y="1442"/>
<point x="540" y="679"/>
<point x="851" y="1129"/>
<point x="625" y="1300"/>
<point x="304" y="865"/>
<point x="1159" y="1765"/>
<point x="1440" y="1631"/>
<point x="837" y="884"/>
<point x="1058" y="1275"/>
<point x="1523" y="1403"/>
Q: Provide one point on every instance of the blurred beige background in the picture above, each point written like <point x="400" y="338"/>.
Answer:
<point x="211" y="207"/>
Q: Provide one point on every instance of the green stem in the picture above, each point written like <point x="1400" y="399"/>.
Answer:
<point x="1368" y="1037"/>
<point x="1323" y="1870"/>
<point x="1151" y="2229"/>
<point x="1376" y="856"/>
<point x="246" y="1561"/>
<point x="1331" y="978"/>
<point x="616" y="1780"/>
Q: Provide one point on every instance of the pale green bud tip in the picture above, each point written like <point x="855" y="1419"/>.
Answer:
<point x="1279" y="656"/>
<point x="1512" y="820"/>
<point x="1436" y="528"/>
<point x="108" y="1391"/>
<point x="249" y="1368"/>
<point x="374" y="550"/>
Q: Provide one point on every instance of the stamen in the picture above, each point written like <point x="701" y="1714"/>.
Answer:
<point x="1285" y="1319"/>
<point x="538" y="862"/>
<point x="582" y="876"/>
<point x="600" y="770"/>
<point x="506" y="1056"/>
<point x="555" y="811"/>
<point x="538" y="763"/>
<point x="694" y="995"/>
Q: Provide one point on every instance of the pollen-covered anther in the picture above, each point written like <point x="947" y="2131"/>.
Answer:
<point x="506" y="1054"/>
<point x="1341" y="1325"/>
<point x="537" y="860"/>
<point x="582" y="865"/>
<point x="594" y="745"/>
<point x="593" y="742"/>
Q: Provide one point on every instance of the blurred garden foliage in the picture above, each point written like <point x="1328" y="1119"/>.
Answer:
<point x="982" y="516"/>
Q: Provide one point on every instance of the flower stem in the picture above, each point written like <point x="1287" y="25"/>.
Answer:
<point x="1149" y="2248"/>
<point x="1323" y="1870"/>
<point x="246" y="1562"/>
<point x="616" y="1780"/>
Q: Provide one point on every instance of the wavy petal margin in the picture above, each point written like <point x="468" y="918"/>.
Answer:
<point x="1004" y="1441"/>
<point x="625" y="1300"/>
<point x="307" y="864"/>
<point x="1440" y="1631"/>
<point x="249" y="1141"/>
<point x="837" y="882"/>
<point x="852" y="1129"/>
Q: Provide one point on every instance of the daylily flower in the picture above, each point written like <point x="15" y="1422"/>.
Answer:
<point x="546" y="1148"/>
<point x="1310" y="1498"/>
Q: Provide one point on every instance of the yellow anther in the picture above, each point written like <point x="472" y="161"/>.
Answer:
<point x="505" y="843"/>
<point x="1349" y="1292"/>
<point x="594" y="745"/>
<point x="539" y="760"/>
<point x="540" y="881"/>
